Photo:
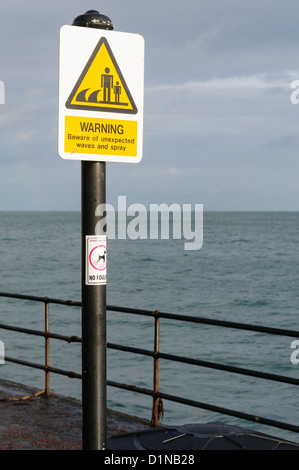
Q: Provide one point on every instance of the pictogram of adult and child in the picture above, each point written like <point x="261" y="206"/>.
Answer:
<point x="109" y="87"/>
<point x="111" y="90"/>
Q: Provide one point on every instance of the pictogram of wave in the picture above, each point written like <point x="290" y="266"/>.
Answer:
<point x="92" y="98"/>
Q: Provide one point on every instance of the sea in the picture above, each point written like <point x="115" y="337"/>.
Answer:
<point x="245" y="271"/>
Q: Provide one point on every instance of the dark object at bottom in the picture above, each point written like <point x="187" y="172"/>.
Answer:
<point x="210" y="436"/>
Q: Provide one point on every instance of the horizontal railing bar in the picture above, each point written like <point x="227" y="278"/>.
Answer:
<point x="41" y="367"/>
<point x="208" y="321"/>
<point x="133" y="311"/>
<point x="35" y="298"/>
<point x="133" y="388"/>
<point x="119" y="347"/>
<point x="230" y="412"/>
<point x="206" y="406"/>
<point x="208" y="364"/>
<point x="227" y="368"/>
<point x="230" y="324"/>
<point x="169" y="316"/>
<point x="19" y="329"/>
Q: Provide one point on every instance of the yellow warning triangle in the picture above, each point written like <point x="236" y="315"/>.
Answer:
<point x="101" y="85"/>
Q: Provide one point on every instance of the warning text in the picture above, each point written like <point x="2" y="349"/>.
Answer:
<point x="100" y="136"/>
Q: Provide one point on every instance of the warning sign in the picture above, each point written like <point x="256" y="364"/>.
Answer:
<point x="101" y="86"/>
<point x="96" y="260"/>
<point x="101" y="94"/>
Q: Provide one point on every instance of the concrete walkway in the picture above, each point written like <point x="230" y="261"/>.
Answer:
<point x="35" y="423"/>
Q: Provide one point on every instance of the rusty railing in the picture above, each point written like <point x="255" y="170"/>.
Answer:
<point x="156" y="395"/>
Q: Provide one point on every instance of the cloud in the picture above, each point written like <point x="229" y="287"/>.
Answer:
<point x="262" y="81"/>
<point x="237" y="105"/>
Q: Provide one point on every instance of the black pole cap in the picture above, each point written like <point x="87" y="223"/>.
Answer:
<point x="93" y="19"/>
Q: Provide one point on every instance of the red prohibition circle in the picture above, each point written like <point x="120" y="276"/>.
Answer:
<point x="98" y="246"/>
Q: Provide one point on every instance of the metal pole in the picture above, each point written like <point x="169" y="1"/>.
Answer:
<point x="47" y="355"/>
<point x="94" y="381"/>
<point x="93" y="319"/>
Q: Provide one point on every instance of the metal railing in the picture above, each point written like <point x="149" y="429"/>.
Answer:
<point x="156" y="354"/>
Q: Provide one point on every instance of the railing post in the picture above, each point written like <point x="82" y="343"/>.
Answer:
<point x="157" y="403"/>
<point x="47" y="344"/>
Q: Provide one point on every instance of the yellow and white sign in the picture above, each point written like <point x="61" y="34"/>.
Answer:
<point x="101" y="88"/>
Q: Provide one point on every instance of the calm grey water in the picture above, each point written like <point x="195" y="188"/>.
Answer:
<point x="246" y="271"/>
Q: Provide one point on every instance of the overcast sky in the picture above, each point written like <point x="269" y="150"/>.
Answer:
<point x="219" y="126"/>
